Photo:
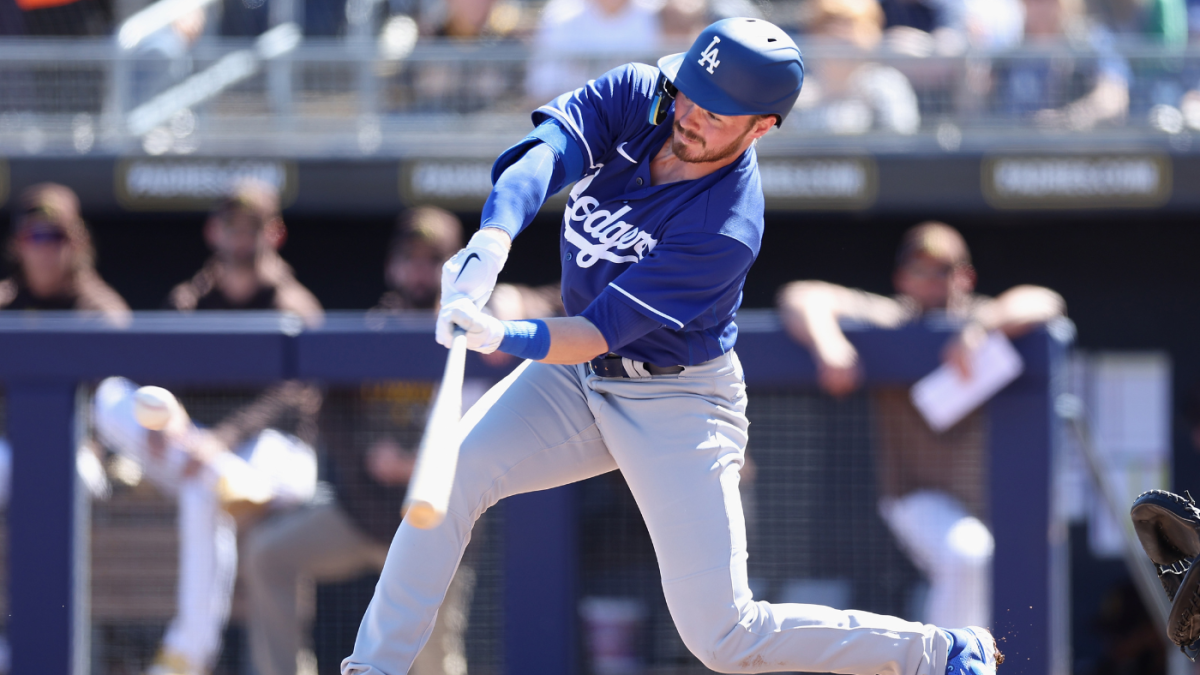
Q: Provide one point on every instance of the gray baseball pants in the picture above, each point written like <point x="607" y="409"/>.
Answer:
<point x="680" y="441"/>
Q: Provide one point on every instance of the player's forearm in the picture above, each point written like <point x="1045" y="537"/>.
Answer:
<point x="520" y="191"/>
<point x="809" y="314"/>
<point x="573" y="340"/>
<point x="1020" y="309"/>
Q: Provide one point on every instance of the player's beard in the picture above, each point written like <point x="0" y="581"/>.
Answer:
<point x="701" y="154"/>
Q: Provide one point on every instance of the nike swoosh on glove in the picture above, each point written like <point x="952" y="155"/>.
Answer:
<point x="472" y="271"/>
<point x="484" y="331"/>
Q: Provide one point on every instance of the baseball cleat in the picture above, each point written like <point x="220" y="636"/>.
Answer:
<point x="974" y="652"/>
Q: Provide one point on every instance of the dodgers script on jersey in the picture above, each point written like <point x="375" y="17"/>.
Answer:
<point x="675" y="254"/>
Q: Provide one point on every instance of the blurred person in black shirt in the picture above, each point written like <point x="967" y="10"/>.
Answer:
<point x="52" y="263"/>
<point x="369" y="434"/>
<point x="246" y="271"/>
<point x="273" y="434"/>
<point x="52" y="258"/>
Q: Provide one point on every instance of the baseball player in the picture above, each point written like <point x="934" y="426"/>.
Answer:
<point x="663" y="223"/>
<point x="214" y="480"/>
<point x="932" y="485"/>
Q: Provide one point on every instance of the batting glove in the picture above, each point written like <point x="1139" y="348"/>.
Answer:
<point x="472" y="271"/>
<point x="484" y="331"/>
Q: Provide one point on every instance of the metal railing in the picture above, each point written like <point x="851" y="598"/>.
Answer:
<point x="282" y="94"/>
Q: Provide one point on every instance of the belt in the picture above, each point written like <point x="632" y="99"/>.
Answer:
<point x="613" y="365"/>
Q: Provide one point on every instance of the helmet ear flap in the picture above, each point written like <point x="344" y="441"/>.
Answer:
<point x="664" y="96"/>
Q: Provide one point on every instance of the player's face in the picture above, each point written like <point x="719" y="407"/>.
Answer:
<point x="45" y="253"/>
<point x="701" y="136"/>
<point x="415" y="271"/>
<point x="236" y="237"/>
<point x="933" y="283"/>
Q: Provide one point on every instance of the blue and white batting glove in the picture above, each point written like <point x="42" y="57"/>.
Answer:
<point x="484" y="331"/>
<point x="472" y="271"/>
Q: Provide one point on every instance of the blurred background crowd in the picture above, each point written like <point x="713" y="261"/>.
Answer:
<point x="889" y="66"/>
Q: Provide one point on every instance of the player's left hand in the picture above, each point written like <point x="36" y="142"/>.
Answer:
<point x="484" y="331"/>
<point x="472" y="271"/>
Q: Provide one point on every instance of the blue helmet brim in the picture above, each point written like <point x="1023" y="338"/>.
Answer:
<point x="704" y="94"/>
<point x="669" y="64"/>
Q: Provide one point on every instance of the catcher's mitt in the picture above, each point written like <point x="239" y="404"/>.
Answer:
<point x="1168" y="527"/>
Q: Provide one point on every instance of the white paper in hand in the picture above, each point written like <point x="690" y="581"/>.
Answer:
<point x="944" y="397"/>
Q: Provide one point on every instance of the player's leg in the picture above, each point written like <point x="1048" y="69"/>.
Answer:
<point x="532" y="431"/>
<point x="680" y="443"/>
<point x="207" y="570"/>
<point x="445" y="653"/>
<point x="953" y="549"/>
<point x="318" y="542"/>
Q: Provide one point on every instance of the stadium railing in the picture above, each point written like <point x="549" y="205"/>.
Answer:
<point x="815" y="497"/>
<point x="283" y="94"/>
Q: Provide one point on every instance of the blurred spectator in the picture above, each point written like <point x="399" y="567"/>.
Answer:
<point x="164" y="57"/>
<point x="65" y="17"/>
<point x="924" y="27"/>
<point x="848" y="95"/>
<point x="471" y="19"/>
<point x="682" y="21"/>
<point x="574" y="33"/>
<point x="53" y="268"/>
<point x="224" y="479"/>
<point x="425" y="237"/>
<point x="451" y="85"/>
<point x="53" y="260"/>
<point x="245" y="233"/>
<point x="932" y="486"/>
<point x="1161" y="21"/>
<point x="994" y="25"/>
<point x="370" y="434"/>
<point x="1068" y="91"/>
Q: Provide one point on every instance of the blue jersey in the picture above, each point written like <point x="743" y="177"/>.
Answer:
<point x="659" y="269"/>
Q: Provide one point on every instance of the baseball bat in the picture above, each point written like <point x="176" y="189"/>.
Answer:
<point x="437" y="457"/>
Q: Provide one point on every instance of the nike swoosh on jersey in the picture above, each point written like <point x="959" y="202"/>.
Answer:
<point x="621" y="151"/>
<point x="464" y="266"/>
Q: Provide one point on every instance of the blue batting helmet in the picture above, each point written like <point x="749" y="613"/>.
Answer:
<point x="738" y="67"/>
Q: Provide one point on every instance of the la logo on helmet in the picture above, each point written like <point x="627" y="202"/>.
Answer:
<point x="709" y="55"/>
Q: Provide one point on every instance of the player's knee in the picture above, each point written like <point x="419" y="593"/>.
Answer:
<point x="720" y="644"/>
<point x="476" y="484"/>
<point x="264" y="558"/>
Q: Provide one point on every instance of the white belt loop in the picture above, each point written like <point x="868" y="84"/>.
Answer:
<point x="634" y="369"/>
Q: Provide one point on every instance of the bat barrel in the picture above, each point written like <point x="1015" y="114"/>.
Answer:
<point x="437" y="458"/>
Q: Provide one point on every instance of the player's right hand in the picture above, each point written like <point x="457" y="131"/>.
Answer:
<point x="484" y="331"/>
<point x="472" y="271"/>
<point x="837" y="368"/>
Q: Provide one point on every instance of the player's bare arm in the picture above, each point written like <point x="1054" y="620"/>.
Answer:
<point x="1014" y="313"/>
<point x="810" y="311"/>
